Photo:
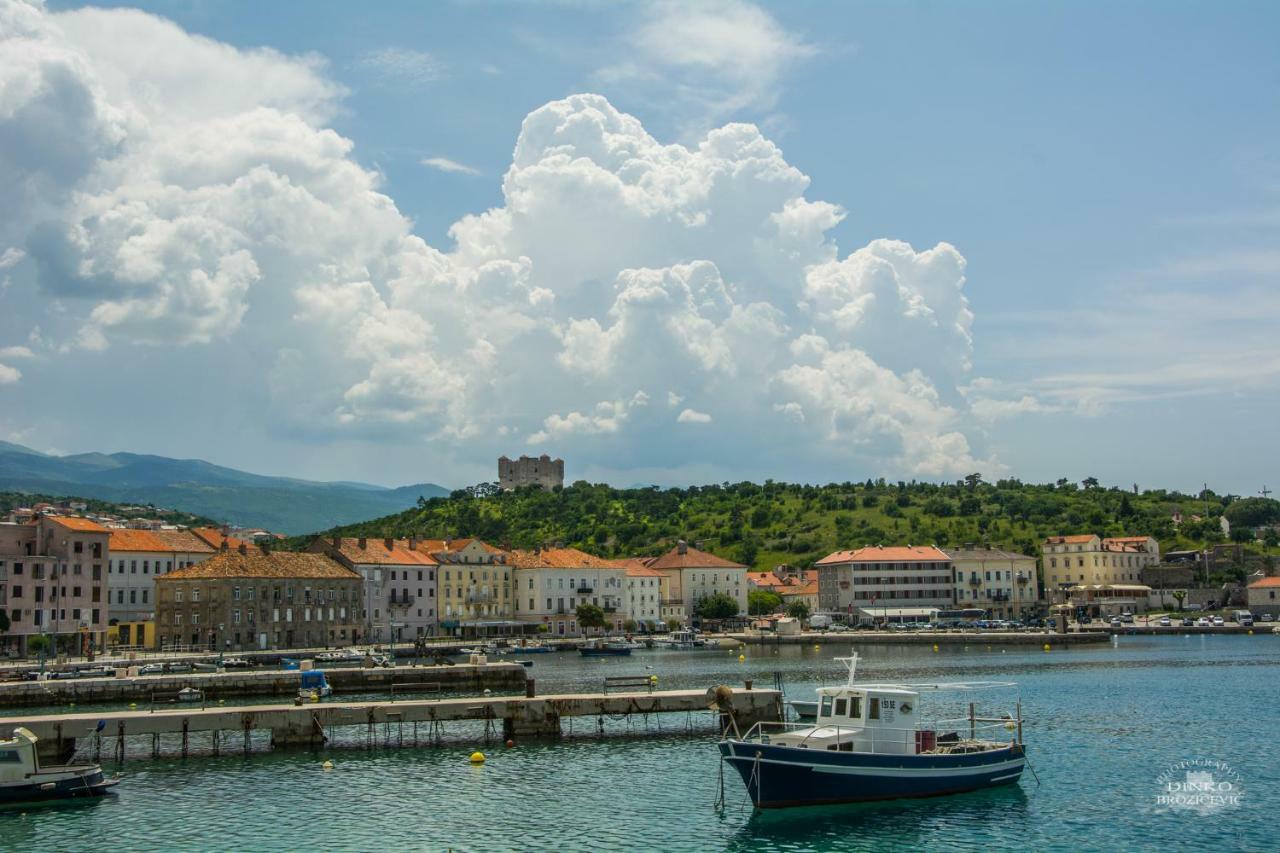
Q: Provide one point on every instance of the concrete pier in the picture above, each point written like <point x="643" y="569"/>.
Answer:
<point x="307" y="724"/>
<point x="504" y="676"/>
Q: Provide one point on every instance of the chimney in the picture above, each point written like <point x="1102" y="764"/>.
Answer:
<point x="223" y="547"/>
<point x="362" y="542"/>
<point x="413" y="543"/>
<point x="265" y="546"/>
<point x="242" y="549"/>
<point x="968" y="546"/>
<point x="389" y="543"/>
<point x="447" y="540"/>
<point x="337" y="542"/>
<point x="682" y="547"/>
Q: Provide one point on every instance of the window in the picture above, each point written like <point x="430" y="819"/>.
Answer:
<point x="235" y="617"/>
<point x="195" y="593"/>
<point x="144" y="596"/>
<point x="133" y="567"/>
<point x="873" y="708"/>
<point x="195" y="618"/>
<point x="825" y="710"/>
<point x="855" y="708"/>
<point x="146" y="567"/>
<point x="177" y="595"/>
<point x="841" y="707"/>
<point x="235" y="593"/>
<point x="177" y="618"/>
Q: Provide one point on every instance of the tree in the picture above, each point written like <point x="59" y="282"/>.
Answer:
<point x="761" y="601"/>
<point x="972" y="481"/>
<point x="673" y="624"/>
<point x="630" y="626"/>
<point x="718" y="606"/>
<point x="1253" y="512"/>
<point x="1179" y="595"/>
<point x="590" y="616"/>
<point x="38" y="644"/>
<point x="798" y="610"/>
<point x="1089" y="482"/>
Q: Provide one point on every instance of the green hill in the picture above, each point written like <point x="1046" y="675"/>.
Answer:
<point x="764" y="525"/>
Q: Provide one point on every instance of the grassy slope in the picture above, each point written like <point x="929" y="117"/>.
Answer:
<point x="765" y="525"/>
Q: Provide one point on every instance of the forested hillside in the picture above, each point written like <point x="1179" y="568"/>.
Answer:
<point x="764" y="525"/>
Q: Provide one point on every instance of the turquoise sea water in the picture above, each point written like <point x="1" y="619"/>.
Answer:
<point x="1103" y="724"/>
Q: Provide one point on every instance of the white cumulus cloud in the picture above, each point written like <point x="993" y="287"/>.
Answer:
<point x="181" y="207"/>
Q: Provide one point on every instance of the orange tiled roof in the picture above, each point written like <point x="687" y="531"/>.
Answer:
<point x="637" y="567"/>
<point x="1265" y="583"/>
<point x="127" y="539"/>
<point x="442" y="546"/>
<point x="214" y="538"/>
<point x="1073" y="540"/>
<point x="72" y="522"/>
<point x="182" y="540"/>
<point x="767" y="580"/>
<point x="692" y="558"/>
<point x="891" y="554"/>
<point x="806" y="588"/>
<point x="560" y="558"/>
<point x="376" y="552"/>
<point x="256" y="564"/>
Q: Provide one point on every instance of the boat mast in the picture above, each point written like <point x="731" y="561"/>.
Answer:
<point x="852" y="662"/>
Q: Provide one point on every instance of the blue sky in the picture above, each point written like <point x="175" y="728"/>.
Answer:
<point x="1107" y="172"/>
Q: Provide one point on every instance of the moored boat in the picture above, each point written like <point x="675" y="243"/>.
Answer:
<point x="871" y="742"/>
<point x="23" y="778"/>
<point x="313" y="685"/>
<point x="601" y="648"/>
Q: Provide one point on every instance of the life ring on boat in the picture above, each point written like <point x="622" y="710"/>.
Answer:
<point x="905" y="707"/>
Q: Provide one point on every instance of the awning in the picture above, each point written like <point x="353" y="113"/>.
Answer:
<point x="883" y="612"/>
<point x="1131" y="587"/>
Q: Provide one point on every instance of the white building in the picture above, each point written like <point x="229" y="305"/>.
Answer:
<point x="551" y="583"/>
<point x="137" y="558"/>
<point x="645" y="593"/>
<point x="695" y="575"/>
<point x="1002" y="583"/>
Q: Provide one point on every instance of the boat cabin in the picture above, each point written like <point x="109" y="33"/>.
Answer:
<point x="18" y="757"/>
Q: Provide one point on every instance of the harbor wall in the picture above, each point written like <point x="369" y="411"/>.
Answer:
<point x="277" y="682"/>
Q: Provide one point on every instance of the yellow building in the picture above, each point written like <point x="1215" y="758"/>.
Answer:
<point x="1101" y="575"/>
<point x="476" y="587"/>
<point x="132" y="635"/>
<point x="1001" y="582"/>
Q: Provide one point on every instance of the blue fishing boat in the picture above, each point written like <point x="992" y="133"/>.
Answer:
<point x="872" y="742"/>
<point x="24" y="778"/>
<point x="314" y="686"/>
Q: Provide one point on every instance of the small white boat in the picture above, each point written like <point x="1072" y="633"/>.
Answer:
<point x="204" y="667"/>
<point x="190" y="694"/>
<point x="341" y="656"/>
<point x="23" y="778"/>
<point x="314" y="685"/>
<point x="680" y="640"/>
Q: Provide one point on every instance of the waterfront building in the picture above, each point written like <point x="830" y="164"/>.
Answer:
<point x="552" y="582"/>
<point x="897" y="583"/>
<point x="477" y="594"/>
<point x="542" y="471"/>
<point x="251" y="598"/>
<point x="1264" y="596"/>
<point x="803" y="592"/>
<point x="646" y="590"/>
<point x="53" y="581"/>
<point x="1104" y="576"/>
<point x="694" y="575"/>
<point x="1003" y="583"/>
<point x="399" y="577"/>
<point x="137" y="557"/>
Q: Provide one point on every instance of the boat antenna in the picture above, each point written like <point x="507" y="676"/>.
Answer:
<point x="852" y="662"/>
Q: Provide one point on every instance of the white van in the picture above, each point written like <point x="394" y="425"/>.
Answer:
<point x="820" y="621"/>
<point x="1244" y="617"/>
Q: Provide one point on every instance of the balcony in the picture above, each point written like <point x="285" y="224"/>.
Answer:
<point x="609" y="608"/>
<point x="974" y="580"/>
<point x="1022" y="579"/>
<point x="402" y="602"/>
<point x="999" y="596"/>
<point x="585" y="590"/>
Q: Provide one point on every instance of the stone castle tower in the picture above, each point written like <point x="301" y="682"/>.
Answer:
<point x="544" y="472"/>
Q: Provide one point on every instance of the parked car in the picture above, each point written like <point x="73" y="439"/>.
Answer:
<point x="1267" y="617"/>
<point x="1115" y="622"/>
<point x="1126" y="618"/>
<point x="1204" y="622"/>
<point x="1218" y="622"/>
<point x="1188" y="622"/>
<point x="1165" y="622"/>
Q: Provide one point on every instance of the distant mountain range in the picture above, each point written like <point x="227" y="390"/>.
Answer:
<point x="192" y="485"/>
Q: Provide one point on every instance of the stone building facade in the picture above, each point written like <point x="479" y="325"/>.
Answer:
<point x="248" y="598"/>
<point x="543" y="472"/>
<point x="399" y="584"/>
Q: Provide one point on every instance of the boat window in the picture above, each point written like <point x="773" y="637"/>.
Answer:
<point x="855" y="708"/>
<point x="10" y="756"/>
<point x="825" y="710"/>
<point x="873" y="709"/>
<point x="841" y="707"/>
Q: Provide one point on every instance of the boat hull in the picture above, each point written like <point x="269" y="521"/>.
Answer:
<point x="782" y="777"/>
<point x="605" y="653"/>
<point x="65" y="786"/>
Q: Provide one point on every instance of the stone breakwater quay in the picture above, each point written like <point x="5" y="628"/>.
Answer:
<point x="310" y="724"/>
<point x="277" y="682"/>
<point x="927" y="638"/>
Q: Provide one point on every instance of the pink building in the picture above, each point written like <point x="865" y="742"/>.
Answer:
<point x="53" y="580"/>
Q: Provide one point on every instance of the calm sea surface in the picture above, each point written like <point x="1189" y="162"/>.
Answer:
<point x="1104" y="724"/>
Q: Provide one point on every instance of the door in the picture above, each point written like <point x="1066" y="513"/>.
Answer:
<point x="262" y="641"/>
